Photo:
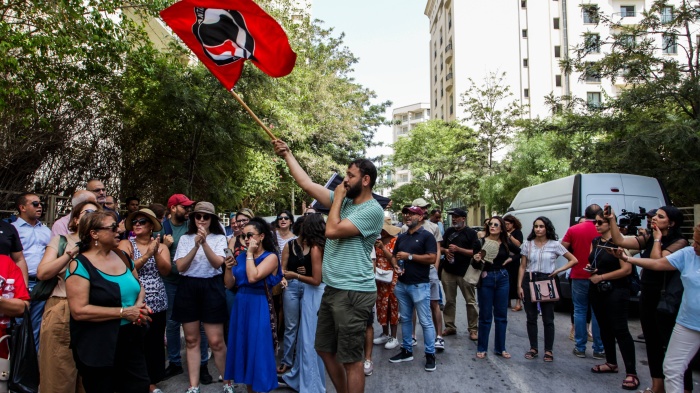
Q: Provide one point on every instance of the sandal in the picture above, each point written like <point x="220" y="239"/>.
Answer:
<point x="605" y="368"/>
<point x="517" y="308"/>
<point x="548" y="356"/>
<point x="480" y="355"/>
<point x="283" y="369"/>
<point x="531" y="354"/>
<point x="631" y="382"/>
<point x="504" y="354"/>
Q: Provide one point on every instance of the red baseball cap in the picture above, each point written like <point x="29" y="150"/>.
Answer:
<point x="179" y="199"/>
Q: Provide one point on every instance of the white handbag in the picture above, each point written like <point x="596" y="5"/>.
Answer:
<point x="382" y="275"/>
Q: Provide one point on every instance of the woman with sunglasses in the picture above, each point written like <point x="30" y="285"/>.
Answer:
<point x="308" y="371"/>
<point x="664" y="239"/>
<point x="539" y="261"/>
<point x="108" y="315"/>
<point x="294" y="254"/>
<point x="515" y="236"/>
<point x="151" y="261"/>
<point x="200" y="297"/>
<point x="58" y="371"/>
<point x="252" y="330"/>
<point x="493" y="287"/>
<point x="609" y="296"/>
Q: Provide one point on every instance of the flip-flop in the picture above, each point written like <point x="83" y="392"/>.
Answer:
<point x="504" y="354"/>
<point x="481" y="355"/>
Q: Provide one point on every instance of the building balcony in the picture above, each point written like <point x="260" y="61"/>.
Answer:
<point x="626" y="18"/>
<point x="448" y="52"/>
<point x="449" y="82"/>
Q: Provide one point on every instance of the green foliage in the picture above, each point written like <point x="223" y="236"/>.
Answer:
<point x="405" y="195"/>
<point x="444" y="159"/>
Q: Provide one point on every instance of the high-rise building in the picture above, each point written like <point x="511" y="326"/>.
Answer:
<point x="527" y="40"/>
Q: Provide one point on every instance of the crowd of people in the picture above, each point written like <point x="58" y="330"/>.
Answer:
<point x="310" y="288"/>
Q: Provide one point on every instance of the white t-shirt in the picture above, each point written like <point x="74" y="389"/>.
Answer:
<point x="200" y="266"/>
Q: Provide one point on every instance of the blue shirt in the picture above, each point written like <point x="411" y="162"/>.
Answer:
<point x="688" y="263"/>
<point x="420" y="242"/>
<point x="34" y="240"/>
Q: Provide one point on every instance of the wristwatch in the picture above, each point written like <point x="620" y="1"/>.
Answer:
<point x="410" y="257"/>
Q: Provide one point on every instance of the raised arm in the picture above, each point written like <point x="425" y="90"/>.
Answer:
<point x="317" y="191"/>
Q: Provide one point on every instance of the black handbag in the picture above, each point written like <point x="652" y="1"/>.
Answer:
<point x="24" y="365"/>
<point x="671" y="294"/>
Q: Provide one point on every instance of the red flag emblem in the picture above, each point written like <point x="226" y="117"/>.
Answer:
<point x="225" y="33"/>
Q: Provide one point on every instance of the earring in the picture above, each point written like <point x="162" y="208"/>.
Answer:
<point x="96" y="243"/>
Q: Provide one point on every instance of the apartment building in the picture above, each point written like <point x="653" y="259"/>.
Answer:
<point x="526" y="39"/>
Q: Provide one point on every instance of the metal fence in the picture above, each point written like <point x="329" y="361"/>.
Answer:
<point x="55" y="206"/>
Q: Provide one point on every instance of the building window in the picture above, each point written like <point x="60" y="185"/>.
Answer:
<point x="557" y="51"/>
<point x="403" y="131"/>
<point x="525" y="63"/>
<point x="627" y="11"/>
<point x="557" y="80"/>
<point x="526" y="93"/>
<point x="449" y="20"/>
<point x="452" y="107"/>
<point x="591" y="74"/>
<point x="593" y="99"/>
<point x="669" y="44"/>
<point x="592" y="42"/>
<point x="667" y="14"/>
<point x="628" y="41"/>
<point x="524" y="33"/>
<point x="440" y="37"/>
<point x="523" y="3"/>
<point x="555" y="23"/>
<point x="441" y="63"/>
<point x="590" y="14"/>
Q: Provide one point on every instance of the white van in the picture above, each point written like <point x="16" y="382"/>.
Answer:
<point x="564" y="200"/>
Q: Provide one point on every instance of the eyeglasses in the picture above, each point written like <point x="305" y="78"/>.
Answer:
<point x="600" y="222"/>
<point x="248" y="235"/>
<point x="36" y="203"/>
<point x="203" y="217"/>
<point x="187" y="208"/>
<point x="140" y="221"/>
<point x="114" y="227"/>
<point x="283" y="218"/>
<point x="243" y="221"/>
<point x="98" y="190"/>
<point x="495" y="224"/>
<point x="87" y="211"/>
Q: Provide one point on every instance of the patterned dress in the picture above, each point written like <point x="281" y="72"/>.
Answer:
<point x="385" y="291"/>
<point x="152" y="283"/>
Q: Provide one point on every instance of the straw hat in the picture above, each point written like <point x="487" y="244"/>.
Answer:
<point x="389" y="228"/>
<point x="148" y="213"/>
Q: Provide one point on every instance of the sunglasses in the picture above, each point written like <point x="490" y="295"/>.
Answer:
<point x="202" y="217"/>
<point x="36" y="203"/>
<point x="283" y="218"/>
<point x="248" y="235"/>
<point x="599" y="222"/>
<point x="87" y="211"/>
<point x="495" y="224"/>
<point x="99" y="190"/>
<point x="243" y="221"/>
<point x="114" y="227"/>
<point x="140" y="221"/>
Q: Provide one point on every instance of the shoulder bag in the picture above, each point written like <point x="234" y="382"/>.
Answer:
<point x="543" y="290"/>
<point x="671" y="294"/>
<point x="382" y="275"/>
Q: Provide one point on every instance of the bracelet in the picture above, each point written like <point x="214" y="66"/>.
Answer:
<point x="657" y="240"/>
<point x="121" y="312"/>
<point x="297" y="276"/>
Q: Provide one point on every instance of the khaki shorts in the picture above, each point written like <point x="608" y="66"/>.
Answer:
<point x="342" y="322"/>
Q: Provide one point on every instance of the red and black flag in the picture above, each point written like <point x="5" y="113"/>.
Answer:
<point x="225" y="33"/>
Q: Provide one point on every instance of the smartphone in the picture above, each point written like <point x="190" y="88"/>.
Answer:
<point x="606" y="247"/>
<point x="588" y="269"/>
<point x="607" y="210"/>
<point x="228" y="252"/>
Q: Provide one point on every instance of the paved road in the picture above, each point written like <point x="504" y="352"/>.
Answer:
<point x="458" y="370"/>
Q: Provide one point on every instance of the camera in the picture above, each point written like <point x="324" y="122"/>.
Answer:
<point x="604" y="286"/>
<point x="632" y="219"/>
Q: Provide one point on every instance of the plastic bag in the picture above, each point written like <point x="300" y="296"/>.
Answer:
<point x="24" y="365"/>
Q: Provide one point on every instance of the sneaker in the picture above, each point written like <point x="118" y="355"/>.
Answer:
<point x="581" y="354"/>
<point x="172" y="370"/>
<point x="204" y="377"/>
<point x="383" y="339"/>
<point x="414" y="342"/>
<point x="439" y="344"/>
<point x="369" y="367"/>
<point x="221" y="378"/>
<point x="193" y="389"/>
<point x="393" y="343"/>
<point x="228" y="388"/>
<point x="598" y="355"/>
<point x="430" y="362"/>
<point x="403" y="356"/>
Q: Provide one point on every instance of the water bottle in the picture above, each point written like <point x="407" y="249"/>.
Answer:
<point x="8" y="292"/>
<point x="401" y="269"/>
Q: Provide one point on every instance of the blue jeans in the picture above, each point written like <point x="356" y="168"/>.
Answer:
<point x="36" y="313"/>
<point x="579" y="296"/>
<point x="291" y="304"/>
<point x="418" y="296"/>
<point x="493" y="305"/>
<point x="172" y="331"/>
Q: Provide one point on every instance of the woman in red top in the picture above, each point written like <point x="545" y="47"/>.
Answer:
<point x="11" y="307"/>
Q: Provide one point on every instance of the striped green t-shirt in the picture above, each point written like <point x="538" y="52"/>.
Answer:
<point x="347" y="264"/>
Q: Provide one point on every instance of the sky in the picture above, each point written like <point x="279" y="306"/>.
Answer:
<point x="391" y="39"/>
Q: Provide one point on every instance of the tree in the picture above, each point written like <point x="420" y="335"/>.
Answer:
<point x="405" y="195"/>
<point x="487" y="108"/>
<point x="444" y="159"/>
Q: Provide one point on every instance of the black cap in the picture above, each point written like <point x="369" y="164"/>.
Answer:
<point x="457" y="212"/>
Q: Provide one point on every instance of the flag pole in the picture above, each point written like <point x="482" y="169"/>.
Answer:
<point x="257" y="120"/>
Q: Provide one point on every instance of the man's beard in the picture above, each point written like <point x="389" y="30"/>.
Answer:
<point x="354" y="191"/>
<point x="412" y="224"/>
<point x="458" y="225"/>
<point x="180" y="216"/>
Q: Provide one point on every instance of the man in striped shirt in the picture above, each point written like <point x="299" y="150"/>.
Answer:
<point x="354" y="222"/>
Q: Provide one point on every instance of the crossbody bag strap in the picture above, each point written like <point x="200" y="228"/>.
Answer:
<point x="273" y="316"/>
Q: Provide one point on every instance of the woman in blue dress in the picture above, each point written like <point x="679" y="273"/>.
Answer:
<point x="251" y="359"/>
<point x="308" y="373"/>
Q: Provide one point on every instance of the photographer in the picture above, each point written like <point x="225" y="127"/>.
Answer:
<point x="609" y="297"/>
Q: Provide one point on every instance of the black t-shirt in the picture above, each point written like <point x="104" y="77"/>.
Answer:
<point x="9" y="239"/>
<point x="606" y="262"/>
<point x="420" y="242"/>
<point x="654" y="278"/>
<point x="297" y="258"/>
<point x="463" y="238"/>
